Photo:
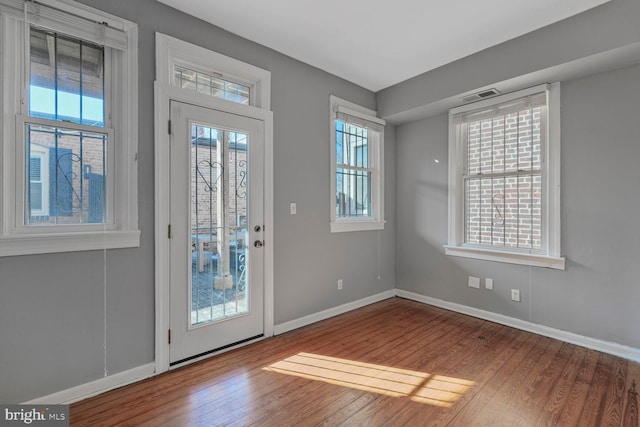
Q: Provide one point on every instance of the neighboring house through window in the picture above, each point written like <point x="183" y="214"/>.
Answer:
<point x="70" y="160"/>
<point x="357" y="154"/>
<point x="39" y="181"/>
<point x="505" y="177"/>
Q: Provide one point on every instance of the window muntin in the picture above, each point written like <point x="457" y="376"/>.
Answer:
<point x="212" y="85"/>
<point x="357" y="167"/>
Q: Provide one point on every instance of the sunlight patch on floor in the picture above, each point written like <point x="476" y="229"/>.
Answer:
<point x="421" y="387"/>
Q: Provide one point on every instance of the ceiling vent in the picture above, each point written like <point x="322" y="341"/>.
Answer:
<point x="481" y="95"/>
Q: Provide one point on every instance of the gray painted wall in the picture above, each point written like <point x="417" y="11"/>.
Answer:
<point x="598" y="294"/>
<point x="52" y="318"/>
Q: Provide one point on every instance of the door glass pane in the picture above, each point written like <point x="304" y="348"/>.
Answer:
<point x="219" y="282"/>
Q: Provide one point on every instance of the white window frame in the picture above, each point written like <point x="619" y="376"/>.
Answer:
<point x="119" y="36"/>
<point x="171" y="51"/>
<point x="376" y="161"/>
<point x="550" y="255"/>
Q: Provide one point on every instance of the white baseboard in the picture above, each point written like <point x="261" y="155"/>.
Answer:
<point x="615" y="349"/>
<point x="96" y="387"/>
<point x="331" y="312"/>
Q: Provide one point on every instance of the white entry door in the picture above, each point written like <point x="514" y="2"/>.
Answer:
<point x="216" y="232"/>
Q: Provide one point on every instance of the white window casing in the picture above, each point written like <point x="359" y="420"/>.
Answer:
<point x="172" y="53"/>
<point x="546" y="252"/>
<point x="364" y="119"/>
<point x="120" y="40"/>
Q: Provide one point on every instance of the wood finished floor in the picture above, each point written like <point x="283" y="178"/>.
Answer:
<point x="394" y="363"/>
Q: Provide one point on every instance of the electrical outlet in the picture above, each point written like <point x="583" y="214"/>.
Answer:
<point x="515" y="295"/>
<point x="474" y="282"/>
<point x="488" y="283"/>
<point x="340" y="284"/>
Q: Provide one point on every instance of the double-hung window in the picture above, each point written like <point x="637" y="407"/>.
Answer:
<point x="357" y="151"/>
<point x="504" y="179"/>
<point x="69" y="138"/>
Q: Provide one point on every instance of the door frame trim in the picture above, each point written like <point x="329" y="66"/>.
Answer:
<point x="163" y="94"/>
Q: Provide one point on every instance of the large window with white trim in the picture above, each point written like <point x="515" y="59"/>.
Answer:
<point x="69" y="136"/>
<point x="357" y="141"/>
<point x="504" y="179"/>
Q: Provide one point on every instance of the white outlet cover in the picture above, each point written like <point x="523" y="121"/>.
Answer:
<point x="474" y="282"/>
<point x="515" y="294"/>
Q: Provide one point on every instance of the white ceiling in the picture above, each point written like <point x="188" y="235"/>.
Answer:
<point x="377" y="44"/>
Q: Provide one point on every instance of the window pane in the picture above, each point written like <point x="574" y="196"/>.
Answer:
<point x="92" y="85"/>
<point x="184" y="78"/>
<point x="472" y="211"/>
<point x="74" y="176"/>
<point x="352" y="145"/>
<point x="35" y="195"/>
<point x="353" y="189"/>
<point x="486" y="146"/>
<point x="511" y="142"/>
<point x="67" y="79"/>
<point x="212" y="85"/>
<point x="504" y="211"/>
<point x="473" y="148"/>
<point x="42" y="94"/>
<point x="497" y="145"/>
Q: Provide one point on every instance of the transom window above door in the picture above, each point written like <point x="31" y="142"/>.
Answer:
<point x="213" y="85"/>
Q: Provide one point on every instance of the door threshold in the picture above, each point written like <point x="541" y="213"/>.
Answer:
<point x="215" y="351"/>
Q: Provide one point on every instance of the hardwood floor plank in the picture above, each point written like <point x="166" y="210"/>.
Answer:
<point x="550" y="414"/>
<point x="459" y="371"/>
<point x="614" y="404"/>
<point x="575" y="404"/>
<point x="396" y="362"/>
<point x="193" y="375"/>
<point x="487" y="396"/>
<point x="479" y="367"/>
<point x="359" y="346"/>
<point x="425" y="358"/>
<point x="596" y="398"/>
<point x="380" y="347"/>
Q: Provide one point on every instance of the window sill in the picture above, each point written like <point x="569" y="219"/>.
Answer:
<point x="534" y="260"/>
<point x="345" y="226"/>
<point x="67" y="242"/>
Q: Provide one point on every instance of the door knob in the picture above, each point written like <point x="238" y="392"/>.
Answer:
<point x="258" y="243"/>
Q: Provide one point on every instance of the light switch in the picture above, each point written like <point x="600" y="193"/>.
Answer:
<point x="293" y="208"/>
<point x="488" y="283"/>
